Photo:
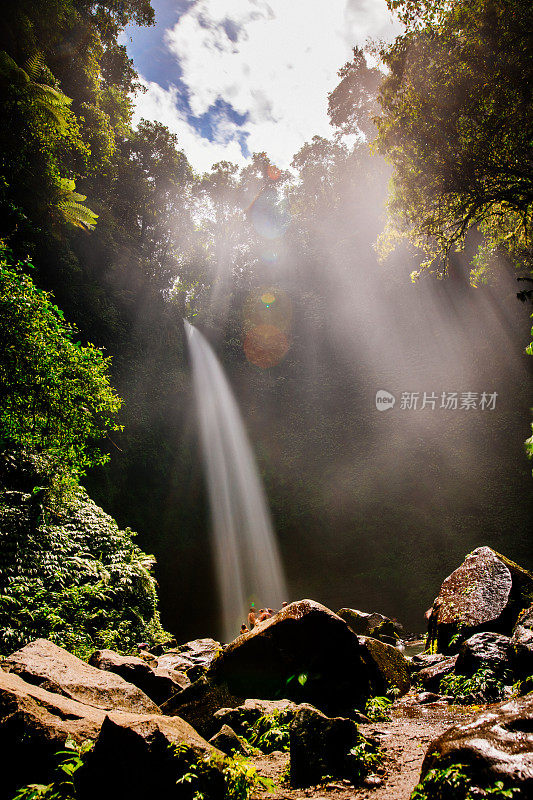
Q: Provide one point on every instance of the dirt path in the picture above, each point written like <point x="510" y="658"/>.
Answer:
<point x="404" y="741"/>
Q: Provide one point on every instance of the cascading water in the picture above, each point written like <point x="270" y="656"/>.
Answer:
<point x="246" y="553"/>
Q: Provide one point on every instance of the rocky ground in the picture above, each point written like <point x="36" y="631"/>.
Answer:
<point x="404" y="741"/>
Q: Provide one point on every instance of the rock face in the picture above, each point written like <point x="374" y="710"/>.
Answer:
<point x="487" y="592"/>
<point x="320" y="746"/>
<point x="35" y="724"/>
<point x="366" y="623"/>
<point x="484" y="650"/>
<point x="159" y="684"/>
<point x="55" y="669"/>
<point x="305" y="653"/>
<point x="496" y="746"/>
<point x="391" y="668"/>
<point x="430" y="677"/>
<point x="135" y="758"/>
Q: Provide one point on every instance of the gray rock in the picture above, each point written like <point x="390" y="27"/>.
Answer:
<point x="43" y="663"/>
<point x="423" y="660"/>
<point x="228" y="741"/>
<point x="495" y="746"/>
<point x="159" y="684"/>
<point x="484" y="649"/>
<point x="487" y="592"/>
<point x="430" y="677"/>
<point x="198" y="704"/>
<point x="320" y="746"/>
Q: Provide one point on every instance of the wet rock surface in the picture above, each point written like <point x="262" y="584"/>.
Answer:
<point x="485" y="649"/>
<point x="496" y="745"/>
<point x="389" y="666"/>
<point x="486" y="592"/>
<point x="44" y="664"/>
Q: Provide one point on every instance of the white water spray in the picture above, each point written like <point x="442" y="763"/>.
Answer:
<point x="246" y="553"/>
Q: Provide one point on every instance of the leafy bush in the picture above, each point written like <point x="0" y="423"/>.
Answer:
<point x="241" y="778"/>
<point x="55" y="395"/>
<point x="63" y="787"/>
<point x="484" y="686"/>
<point x="377" y="708"/>
<point x="365" y="757"/>
<point x="71" y="576"/>
<point x="270" y="732"/>
<point x="454" y="783"/>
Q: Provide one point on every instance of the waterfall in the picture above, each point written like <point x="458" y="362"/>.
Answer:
<point x="246" y="553"/>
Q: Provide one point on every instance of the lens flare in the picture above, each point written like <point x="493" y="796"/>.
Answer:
<point x="265" y="346"/>
<point x="270" y="214"/>
<point x="268" y="298"/>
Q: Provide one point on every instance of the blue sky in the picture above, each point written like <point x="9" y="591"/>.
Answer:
<point x="231" y="77"/>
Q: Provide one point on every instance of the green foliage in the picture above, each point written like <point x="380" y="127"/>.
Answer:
<point x="241" y="778"/>
<point x="377" y="708"/>
<point x="56" y="399"/>
<point x="482" y="687"/>
<point x="457" y="127"/>
<point x="365" y="757"/>
<point x="63" y="786"/>
<point x="454" y="783"/>
<point x="71" y="576"/>
<point x="270" y="732"/>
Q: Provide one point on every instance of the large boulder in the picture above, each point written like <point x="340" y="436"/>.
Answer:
<point x="486" y="593"/>
<point x="146" y="757"/>
<point x="35" y="724"/>
<point x="484" y="649"/>
<point x="373" y="624"/>
<point x="228" y="741"/>
<point x="43" y="663"/>
<point x="389" y="666"/>
<point x="495" y="746"/>
<point x="320" y="746"/>
<point x="304" y="653"/>
<point x="158" y="683"/>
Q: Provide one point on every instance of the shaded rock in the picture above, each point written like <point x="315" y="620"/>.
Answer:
<point x="136" y="758"/>
<point x="251" y="710"/>
<point x="430" y="677"/>
<point x="228" y="741"/>
<point x="44" y="664"/>
<point x="390" y="667"/>
<point x="423" y="660"/>
<point x="428" y="697"/>
<point x="35" y="724"/>
<point x="495" y="746"/>
<point x="487" y="592"/>
<point x="305" y="653"/>
<point x="159" y="684"/>
<point x="521" y="644"/>
<point x="199" y="702"/>
<point x="372" y="624"/>
<point x="320" y="746"/>
<point x="192" y="658"/>
<point x="484" y="649"/>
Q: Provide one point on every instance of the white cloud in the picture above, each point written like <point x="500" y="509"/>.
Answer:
<point x="274" y="60"/>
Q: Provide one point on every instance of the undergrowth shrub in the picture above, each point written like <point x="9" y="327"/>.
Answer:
<point x="455" y="783"/>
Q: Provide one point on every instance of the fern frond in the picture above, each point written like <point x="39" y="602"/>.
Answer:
<point x="34" y="65"/>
